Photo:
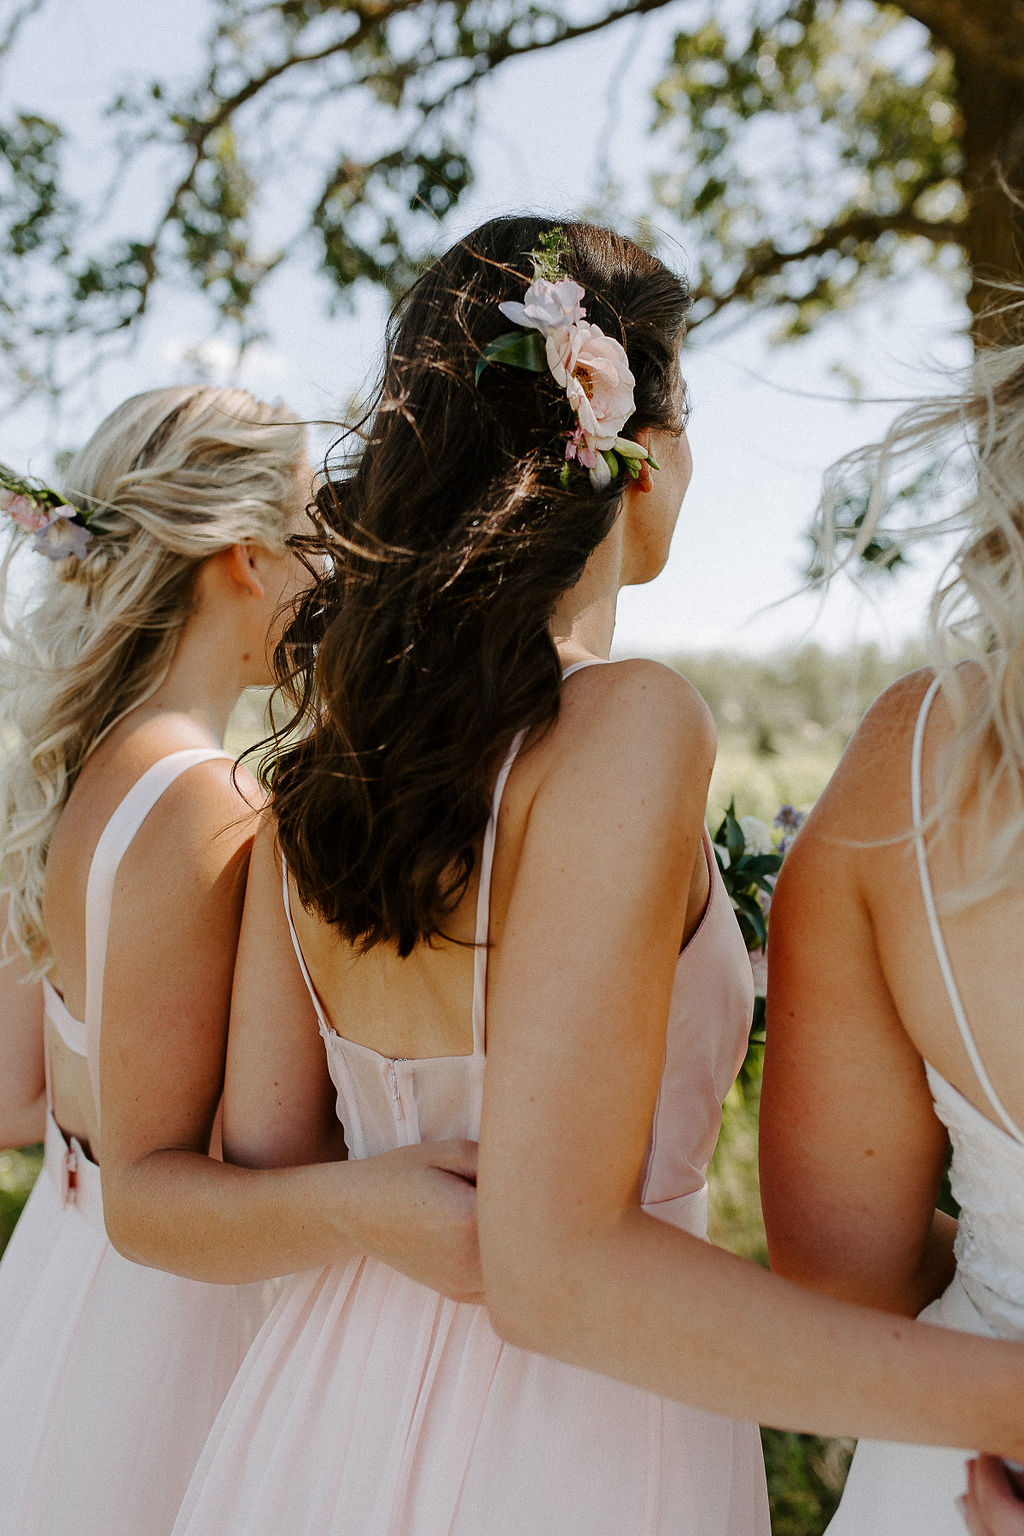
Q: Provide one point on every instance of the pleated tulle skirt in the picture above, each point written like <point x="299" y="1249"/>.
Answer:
<point x="111" y="1374"/>
<point x="370" y="1406"/>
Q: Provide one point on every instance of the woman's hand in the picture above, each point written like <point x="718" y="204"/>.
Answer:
<point x="991" y="1506"/>
<point x="421" y="1214"/>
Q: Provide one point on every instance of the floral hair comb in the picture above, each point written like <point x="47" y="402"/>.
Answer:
<point x="591" y="367"/>
<point x="58" y="528"/>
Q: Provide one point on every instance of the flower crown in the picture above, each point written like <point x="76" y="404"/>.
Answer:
<point x="591" y="367"/>
<point x="58" y="529"/>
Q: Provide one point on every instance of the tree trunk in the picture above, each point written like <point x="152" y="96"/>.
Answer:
<point x="993" y="177"/>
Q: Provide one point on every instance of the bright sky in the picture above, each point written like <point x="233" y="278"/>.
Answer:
<point x="767" y="418"/>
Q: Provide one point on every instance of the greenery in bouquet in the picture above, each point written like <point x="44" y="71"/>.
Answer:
<point x="749" y="854"/>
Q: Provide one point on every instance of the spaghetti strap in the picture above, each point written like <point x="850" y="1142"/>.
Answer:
<point x="483" y="902"/>
<point x="591" y="661"/>
<point x="483" y="896"/>
<point x="300" y="957"/>
<point x="111" y="848"/>
<point x="939" y="943"/>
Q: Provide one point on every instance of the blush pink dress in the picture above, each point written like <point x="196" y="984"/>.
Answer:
<point x="111" y="1374"/>
<point x="372" y="1406"/>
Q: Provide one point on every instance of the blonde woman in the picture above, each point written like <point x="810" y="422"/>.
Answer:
<point x="895" y="1018"/>
<point x="124" y="849"/>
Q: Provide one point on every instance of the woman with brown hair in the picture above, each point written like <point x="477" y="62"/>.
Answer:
<point x="487" y="846"/>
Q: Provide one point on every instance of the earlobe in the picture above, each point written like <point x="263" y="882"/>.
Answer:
<point x="643" y="482"/>
<point x="243" y="567"/>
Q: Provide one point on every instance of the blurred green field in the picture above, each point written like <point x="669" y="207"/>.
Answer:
<point x="783" y="721"/>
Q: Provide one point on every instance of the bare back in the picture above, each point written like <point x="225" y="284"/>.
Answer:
<point x="984" y="958"/>
<point x="99" y="797"/>
<point x="420" y="1007"/>
<point x="862" y="1021"/>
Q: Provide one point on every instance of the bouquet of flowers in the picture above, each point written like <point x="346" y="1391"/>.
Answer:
<point x="749" y="854"/>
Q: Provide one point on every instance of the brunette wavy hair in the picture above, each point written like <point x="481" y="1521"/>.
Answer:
<point x="422" y="646"/>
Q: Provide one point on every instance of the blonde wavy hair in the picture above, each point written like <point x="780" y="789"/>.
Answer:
<point x="976" y="613"/>
<point x="169" y="478"/>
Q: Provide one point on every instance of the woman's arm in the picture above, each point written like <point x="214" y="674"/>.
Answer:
<point x="414" y="1207"/>
<point x="164" y="1037"/>
<point x="22" y="1072"/>
<point x="578" y="999"/>
<point x="851" y="1148"/>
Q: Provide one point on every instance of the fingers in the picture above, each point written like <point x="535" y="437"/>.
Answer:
<point x="968" y="1505"/>
<point x="991" y="1507"/>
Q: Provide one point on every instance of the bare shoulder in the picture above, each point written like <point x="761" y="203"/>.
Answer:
<point x="868" y="795"/>
<point x="891" y="718"/>
<point x="629" y="734"/>
<point x="638" y="703"/>
<point x="209" y="812"/>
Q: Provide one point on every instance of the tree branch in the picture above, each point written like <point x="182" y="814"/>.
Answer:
<point x="770" y="261"/>
<point x="18" y="19"/>
<point x="991" y="32"/>
<point x="372" y="15"/>
<point x="492" y="58"/>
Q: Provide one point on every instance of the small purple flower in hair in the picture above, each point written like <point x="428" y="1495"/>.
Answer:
<point x="60" y="536"/>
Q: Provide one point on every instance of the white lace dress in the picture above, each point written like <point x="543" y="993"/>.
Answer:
<point x="909" y="1490"/>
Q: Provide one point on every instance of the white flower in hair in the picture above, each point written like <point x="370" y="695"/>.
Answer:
<point x="548" y="307"/>
<point x="591" y="367"/>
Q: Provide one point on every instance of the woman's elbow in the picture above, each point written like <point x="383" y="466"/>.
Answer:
<point x="119" y="1227"/>
<point x="804" y="1262"/>
<point x="842" y="1277"/>
<point x="512" y="1321"/>
<point x="121" y="1217"/>
<point x="525" y="1300"/>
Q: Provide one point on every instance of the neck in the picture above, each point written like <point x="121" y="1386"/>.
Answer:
<point x="583" y="622"/>
<point x="203" y="684"/>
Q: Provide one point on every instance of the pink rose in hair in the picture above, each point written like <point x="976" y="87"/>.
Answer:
<point x="594" y="371"/>
<point x="26" y="513"/>
<point x="591" y="367"/>
<point x="549" y="307"/>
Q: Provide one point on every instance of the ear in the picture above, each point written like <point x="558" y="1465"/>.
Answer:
<point x="243" y="568"/>
<point x="643" y="483"/>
